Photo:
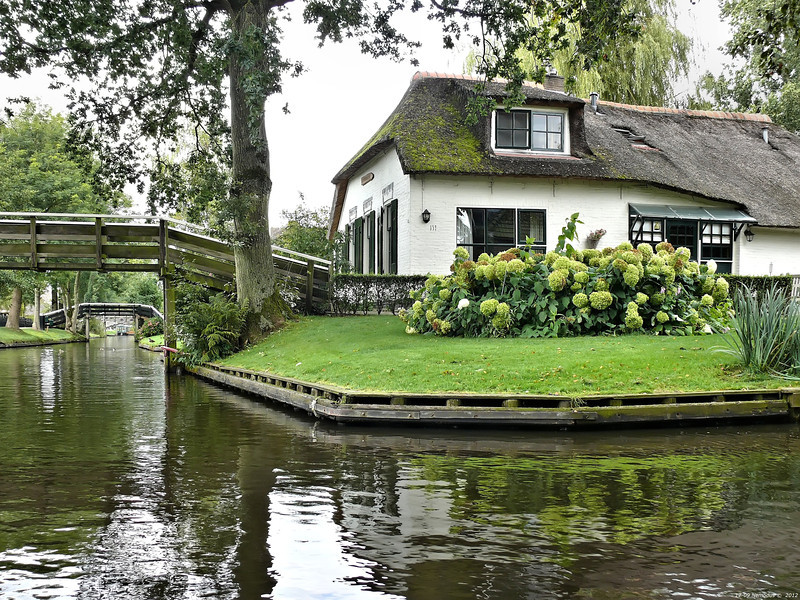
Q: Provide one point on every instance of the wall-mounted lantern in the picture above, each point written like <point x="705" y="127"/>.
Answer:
<point x="426" y="216"/>
<point x="749" y="234"/>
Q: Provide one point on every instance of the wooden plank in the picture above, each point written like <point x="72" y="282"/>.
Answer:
<point x="189" y="247"/>
<point x="203" y="263"/>
<point x="34" y="257"/>
<point x="21" y="228"/>
<point x="90" y="265"/>
<point x="16" y="250"/>
<point x="207" y="280"/>
<point x="59" y="229"/>
<point x="128" y="251"/>
<point x="206" y="244"/>
<point x="131" y="230"/>
<point x="310" y="286"/>
<point x="66" y="250"/>
<point x="98" y="232"/>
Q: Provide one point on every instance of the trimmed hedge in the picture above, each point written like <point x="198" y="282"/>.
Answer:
<point x="351" y="293"/>
<point x="759" y="283"/>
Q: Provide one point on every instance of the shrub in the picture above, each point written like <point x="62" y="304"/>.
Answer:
<point x="571" y="293"/>
<point x="151" y="327"/>
<point x="766" y="331"/>
<point x="352" y="293"/>
<point x="209" y="326"/>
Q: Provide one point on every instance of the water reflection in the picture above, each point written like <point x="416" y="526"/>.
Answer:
<point x="117" y="483"/>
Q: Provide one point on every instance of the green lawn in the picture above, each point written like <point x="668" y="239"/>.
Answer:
<point x="375" y="353"/>
<point x="27" y="335"/>
<point x="154" y="341"/>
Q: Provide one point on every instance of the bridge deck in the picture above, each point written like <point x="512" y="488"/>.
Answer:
<point x="68" y="242"/>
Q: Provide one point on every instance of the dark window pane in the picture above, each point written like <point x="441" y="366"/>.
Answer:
<point x="500" y="226"/>
<point x="531" y="224"/>
<point x="521" y="119"/>
<point x="470" y="226"/>
<point x="520" y="139"/>
<point x="504" y="138"/>
<point x="504" y="120"/>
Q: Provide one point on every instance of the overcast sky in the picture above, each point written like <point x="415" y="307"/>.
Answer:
<point x="344" y="97"/>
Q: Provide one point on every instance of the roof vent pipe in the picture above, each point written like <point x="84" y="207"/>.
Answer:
<point x="593" y="100"/>
<point x="765" y="134"/>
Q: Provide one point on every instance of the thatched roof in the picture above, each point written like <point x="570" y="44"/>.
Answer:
<point x="714" y="155"/>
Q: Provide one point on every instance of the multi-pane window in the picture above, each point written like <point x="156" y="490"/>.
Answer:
<point x="494" y="230"/>
<point x="529" y="130"/>
<point x="647" y="230"/>
<point x="717" y="245"/>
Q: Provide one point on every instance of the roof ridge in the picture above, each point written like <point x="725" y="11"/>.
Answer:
<point x="437" y="75"/>
<point x="710" y="114"/>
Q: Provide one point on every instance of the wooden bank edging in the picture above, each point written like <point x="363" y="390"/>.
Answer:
<point x="348" y="406"/>
<point x="4" y="346"/>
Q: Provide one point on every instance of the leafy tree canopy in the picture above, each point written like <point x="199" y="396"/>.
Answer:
<point x="637" y="67"/>
<point x="159" y="66"/>
<point x="765" y="76"/>
<point x="306" y="231"/>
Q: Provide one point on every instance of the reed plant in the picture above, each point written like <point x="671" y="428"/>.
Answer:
<point x="765" y="332"/>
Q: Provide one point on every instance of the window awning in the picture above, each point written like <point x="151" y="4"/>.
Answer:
<point x="691" y="213"/>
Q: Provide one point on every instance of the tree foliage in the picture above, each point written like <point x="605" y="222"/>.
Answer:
<point x="306" y="231"/>
<point x="765" y="76"/>
<point x="637" y="67"/>
<point x="158" y="66"/>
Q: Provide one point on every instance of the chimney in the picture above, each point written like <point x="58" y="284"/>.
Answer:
<point x="593" y="97"/>
<point x="554" y="82"/>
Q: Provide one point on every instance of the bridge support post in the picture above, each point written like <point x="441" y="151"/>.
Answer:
<point x="170" y="334"/>
<point x="87" y="325"/>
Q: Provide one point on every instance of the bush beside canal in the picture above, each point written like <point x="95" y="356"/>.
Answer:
<point x="374" y="353"/>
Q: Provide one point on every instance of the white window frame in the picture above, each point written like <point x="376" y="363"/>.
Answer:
<point x="549" y="110"/>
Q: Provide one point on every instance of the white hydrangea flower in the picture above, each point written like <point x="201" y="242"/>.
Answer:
<point x="712" y="266"/>
<point x="463" y="303"/>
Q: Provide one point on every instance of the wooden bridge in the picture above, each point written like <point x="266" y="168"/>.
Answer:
<point x="58" y="318"/>
<point x="106" y="243"/>
<point x="143" y="243"/>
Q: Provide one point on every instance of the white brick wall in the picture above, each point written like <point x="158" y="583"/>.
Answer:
<point x="428" y="248"/>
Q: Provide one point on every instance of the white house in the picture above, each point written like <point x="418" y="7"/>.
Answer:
<point x="725" y="185"/>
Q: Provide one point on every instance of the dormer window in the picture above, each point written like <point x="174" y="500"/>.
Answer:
<point x="534" y="130"/>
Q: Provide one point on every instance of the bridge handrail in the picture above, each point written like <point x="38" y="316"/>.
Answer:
<point x="307" y="257"/>
<point x="29" y="215"/>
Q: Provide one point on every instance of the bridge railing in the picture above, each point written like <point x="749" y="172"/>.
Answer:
<point x="80" y="242"/>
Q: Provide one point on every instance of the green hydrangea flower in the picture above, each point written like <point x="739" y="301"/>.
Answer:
<point x="576" y="287"/>
<point x="489" y="307"/>
<point x="662" y="317"/>
<point x="500" y="269"/>
<point x="431" y="281"/>
<point x="503" y="310"/>
<point x="500" y="323"/>
<point x="595" y="261"/>
<point x="461" y="253"/>
<point x="604" y="262"/>
<point x="581" y="277"/>
<point x="601" y="285"/>
<point x="445" y="294"/>
<point x="561" y="263"/>
<point x="515" y="266"/>
<point x="631" y="257"/>
<point x="720" y="289"/>
<point x="665" y="247"/>
<point x="646" y="250"/>
<point x="641" y="299"/>
<point x="551" y="257"/>
<point x="410" y="330"/>
<point x="580" y="300"/>
<point x="430" y="316"/>
<point x="557" y="280"/>
<point x="445" y="327"/>
<point x="633" y="321"/>
<point x="683" y="253"/>
<point x="625" y="246"/>
<point x="620" y="265"/>
<point x="708" y="284"/>
<point x="417" y="309"/>
<point x="600" y="300"/>
<point x="657" y="299"/>
<point x="707" y="300"/>
<point x="483" y="257"/>
<point x="590" y="253"/>
<point x="669" y="275"/>
<point x="631" y="276"/>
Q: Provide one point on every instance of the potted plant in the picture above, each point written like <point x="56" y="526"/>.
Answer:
<point x="593" y="237"/>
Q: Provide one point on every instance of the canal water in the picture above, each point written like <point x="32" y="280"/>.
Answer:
<point x="118" y="483"/>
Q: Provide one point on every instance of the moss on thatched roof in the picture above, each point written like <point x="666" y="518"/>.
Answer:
<point x="718" y="156"/>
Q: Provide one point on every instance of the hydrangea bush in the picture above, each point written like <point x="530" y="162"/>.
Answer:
<point x="614" y="290"/>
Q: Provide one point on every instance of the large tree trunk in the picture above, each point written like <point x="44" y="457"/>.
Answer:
<point x="249" y="196"/>
<point x="15" y="309"/>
